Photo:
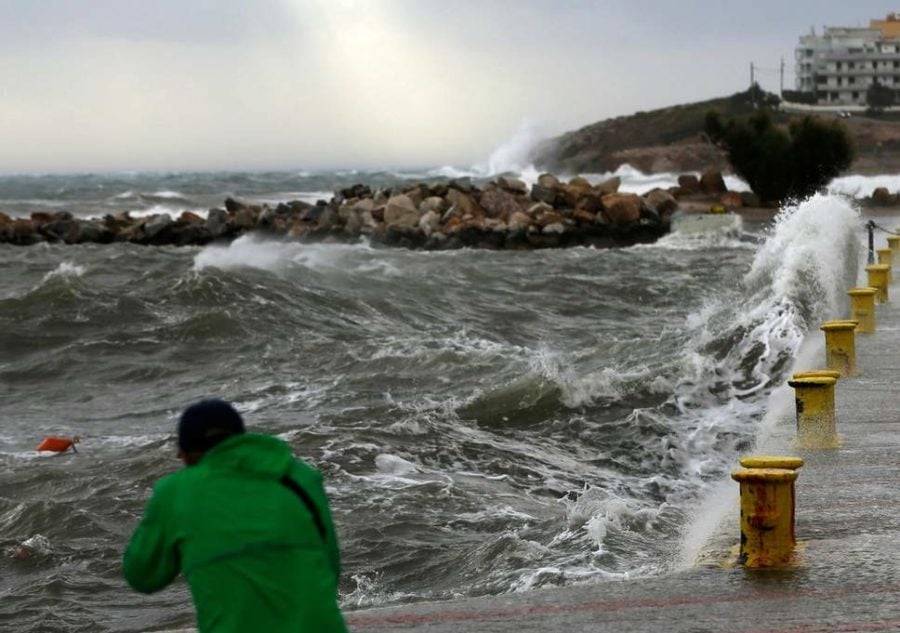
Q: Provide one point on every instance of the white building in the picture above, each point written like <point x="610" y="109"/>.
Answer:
<point x="839" y="65"/>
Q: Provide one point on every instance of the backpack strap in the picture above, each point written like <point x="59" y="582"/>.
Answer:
<point x="294" y="487"/>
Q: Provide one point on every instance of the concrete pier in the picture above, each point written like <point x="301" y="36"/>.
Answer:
<point x="846" y="576"/>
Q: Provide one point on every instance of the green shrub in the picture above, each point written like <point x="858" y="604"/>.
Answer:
<point x="781" y="163"/>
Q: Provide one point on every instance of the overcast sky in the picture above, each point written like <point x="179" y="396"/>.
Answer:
<point x="96" y="85"/>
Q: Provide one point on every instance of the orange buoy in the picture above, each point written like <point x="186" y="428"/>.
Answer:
<point x="58" y="444"/>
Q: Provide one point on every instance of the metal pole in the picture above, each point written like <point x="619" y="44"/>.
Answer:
<point x="871" y="226"/>
<point x="752" y="81"/>
<point x="782" y="77"/>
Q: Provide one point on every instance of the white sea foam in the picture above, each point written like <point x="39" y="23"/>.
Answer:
<point x="251" y="251"/>
<point x="65" y="270"/>
<point x="797" y="279"/>
<point x="394" y="465"/>
<point x="168" y="194"/>
<point x="514" y="154"/>
<point x="860" y="186"/>
<point x="370" y="592"/>
<point x="814" y="249"/>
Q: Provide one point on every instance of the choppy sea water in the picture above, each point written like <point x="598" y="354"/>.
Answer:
<point x="487" y="421"/>
<point x="142" y="193"/>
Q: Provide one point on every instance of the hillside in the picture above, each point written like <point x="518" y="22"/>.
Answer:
<point x="672" y="139"/>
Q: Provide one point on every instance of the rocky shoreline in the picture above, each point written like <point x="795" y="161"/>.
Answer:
<point x="504" y="213"/>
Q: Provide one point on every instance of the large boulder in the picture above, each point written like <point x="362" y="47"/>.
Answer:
<point x="580" y="182"/>
<point x="430" y="222"/>
<point x="189" y="217"/>
<point x="661" y="201"/>
<point x="189" y="233"/>
<point x="622" y="208"/>
<point x="95" y="231"/>
<point x="610" y="185"/>
<point x="541" y="193"/>
<point x="356" y="191"/>
<point x="538" y="208"/>
<point x="416" y="194"/>
<point x="232" y="205"/>
<point x="5" y="227"/>
<point x="583" y="216"/>
<point x="433" y="203"/>
<point x="546" y="218"/>
<point x="498" y="203"/>
<point x="244" y="218"/>
<point x="267" y="217"/>
<point x="689" y="183"/>
<point x="590" y="201"/>
<point x="461" y="184"/>
<point x="363" y="209"/>
<point x="548" y="181"/>
<point x="40" y="218"/>
<point x="328" y="219"/>
<point x="712" y="183"/>
<point x="731" y="200"/>
<point x="217" y="223"/>
<point x="67" y="230"/>
<point x="882" y="197"/>
<point x="519" y="221"/>
<point x="296" y="207"/>
<point x="463" y="205"/>
<point x="573" y="191"/>
<point x="401" y="211"/>
<point x="156" y="227"/>
<point x="513" y="185"/>
<point x="22" y="232"/>
<point x="352" y="222"/>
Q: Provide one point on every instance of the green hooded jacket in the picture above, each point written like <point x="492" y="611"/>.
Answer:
<point x="246" y="543"/>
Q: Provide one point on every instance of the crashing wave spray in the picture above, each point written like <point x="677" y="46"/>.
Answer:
<point x="514" y="155"/>
<point x="735" y="355"/>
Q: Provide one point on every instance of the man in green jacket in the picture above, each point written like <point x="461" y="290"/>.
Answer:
<point x="249" y="527"/>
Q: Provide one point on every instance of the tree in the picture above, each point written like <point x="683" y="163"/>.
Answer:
<point x="879" y="96"/>
<point x="781" y="163"/>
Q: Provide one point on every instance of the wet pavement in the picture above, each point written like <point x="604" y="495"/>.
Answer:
<point x="847" y="574"/>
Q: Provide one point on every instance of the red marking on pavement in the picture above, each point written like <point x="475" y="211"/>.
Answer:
<point x="409" y="619"/>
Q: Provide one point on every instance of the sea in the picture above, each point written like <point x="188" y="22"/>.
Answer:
<point x="486" y="421"/>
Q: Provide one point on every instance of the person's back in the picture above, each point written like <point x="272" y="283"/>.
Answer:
<point x="249" y="527"/>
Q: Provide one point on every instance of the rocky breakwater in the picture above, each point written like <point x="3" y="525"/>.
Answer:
<point x="504" y="213"/>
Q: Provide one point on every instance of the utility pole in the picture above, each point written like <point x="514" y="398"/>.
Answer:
<point x="752" y="80"/>
<point x="782" y="77"/>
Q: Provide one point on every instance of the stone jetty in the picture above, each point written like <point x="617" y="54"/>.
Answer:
<point x="503" y="213"/>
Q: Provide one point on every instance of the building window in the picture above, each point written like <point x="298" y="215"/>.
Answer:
<point x="855" y="96"/>
<point x="874" y="64"/>
<point x="838" y="65"/>
<point x="851" y="80"/>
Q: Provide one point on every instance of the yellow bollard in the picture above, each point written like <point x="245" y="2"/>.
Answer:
<point x="878" y="280"/>
<point x="840" y="346"/>
<point x="816" y="373"/>
<point x="777" y="461"/>
<point x="767" y="516"/>
<point x="862" y="308"/>
<point x="816" y="424"/>
<point x="886" y="258"/>
<point x="894" y="244"/>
